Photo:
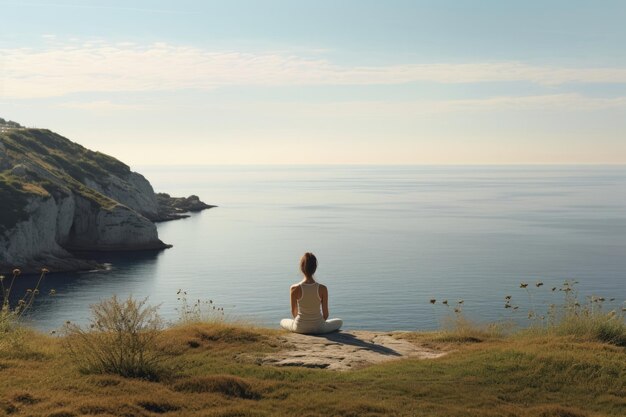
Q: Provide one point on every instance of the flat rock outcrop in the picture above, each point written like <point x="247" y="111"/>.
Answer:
<point x="346" y="350"/>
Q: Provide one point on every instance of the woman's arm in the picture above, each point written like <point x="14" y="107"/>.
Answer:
<point x="324" y="299"/>
<point x="295" y="294"/>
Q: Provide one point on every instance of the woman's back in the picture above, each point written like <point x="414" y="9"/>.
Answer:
<point x="309" y="304"/>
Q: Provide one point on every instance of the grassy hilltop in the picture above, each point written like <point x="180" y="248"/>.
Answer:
<point x="213" y="369"/>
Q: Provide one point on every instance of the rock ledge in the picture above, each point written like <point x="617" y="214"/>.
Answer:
<point x="346" y="350"/>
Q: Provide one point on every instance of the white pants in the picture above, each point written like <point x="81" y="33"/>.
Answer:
<point x="322" y="327"/>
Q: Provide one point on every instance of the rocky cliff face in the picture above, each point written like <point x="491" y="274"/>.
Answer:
<point x="57" y="197"/>
<point x="134" y="190"/>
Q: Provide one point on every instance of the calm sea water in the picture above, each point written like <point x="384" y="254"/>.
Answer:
<point x="388" y="239"/>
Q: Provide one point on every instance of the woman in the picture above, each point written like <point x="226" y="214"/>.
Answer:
<point x="309" y="303"/>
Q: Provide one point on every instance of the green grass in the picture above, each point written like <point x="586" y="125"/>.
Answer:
<point x="216" y="373"/>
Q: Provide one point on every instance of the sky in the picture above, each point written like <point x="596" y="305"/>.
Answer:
<point x="321" y="82"/>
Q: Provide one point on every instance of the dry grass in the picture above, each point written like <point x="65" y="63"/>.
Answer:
<point x="572" y="364"/>
<point x="121" y="339"/>
<point x="217" y="375"/>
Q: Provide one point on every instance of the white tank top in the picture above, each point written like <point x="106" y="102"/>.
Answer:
<point x="309" y="305"/>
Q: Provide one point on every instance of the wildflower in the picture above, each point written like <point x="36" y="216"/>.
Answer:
<point x="53" y="331"/>
<point x="507" y="305"/>
<point x="444" y="302"/>
<point x="523" y="285"/>
<point x="460" y="301"/>
<point x="553" y="288"/>
<point x="508" y="297"/>
<point x="53" y="291"/>
<point x="433" y="301"/>
<point x="68" y="322"/>
<point x="539" y="284"/>
<point x="178" y="292"/>
<point x="601" y="299"/>
<point x="515" y="308"/>
<point x="1" y="278"/>
<point x="623" y="308"/>
<point x="612" y="299"/>
<point x="44" y="270"/>
<point x="457" y="310"/>
<point x="16" y="272"/>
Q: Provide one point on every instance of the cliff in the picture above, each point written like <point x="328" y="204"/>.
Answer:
<point x="57" y="196"/>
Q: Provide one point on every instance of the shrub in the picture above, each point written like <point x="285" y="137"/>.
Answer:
<point x="120" y="340"/>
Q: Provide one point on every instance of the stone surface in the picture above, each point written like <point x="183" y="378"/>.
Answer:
<point x="131" y="190"/>
<point x="346" y="350"/>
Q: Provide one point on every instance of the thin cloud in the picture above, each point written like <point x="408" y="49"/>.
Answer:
<point x="102" y="105"/>
<point x="413" y="108"/>
<point x="108" y="67"/>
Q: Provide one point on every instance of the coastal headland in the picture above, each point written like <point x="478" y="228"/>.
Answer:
<point x="57" y="197"/>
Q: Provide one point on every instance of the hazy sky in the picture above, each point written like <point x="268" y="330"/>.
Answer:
<point x="341" y="81"/>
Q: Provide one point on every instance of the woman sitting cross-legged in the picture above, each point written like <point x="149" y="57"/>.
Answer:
<point x="309" y="303"/>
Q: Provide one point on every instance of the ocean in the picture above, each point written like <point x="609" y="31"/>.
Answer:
<point x="388" y="240"/>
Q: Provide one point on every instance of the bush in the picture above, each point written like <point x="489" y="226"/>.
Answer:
<point x="121" y="339"/>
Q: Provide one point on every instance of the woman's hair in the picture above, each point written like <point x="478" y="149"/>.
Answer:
<point x="308" y="264"/>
